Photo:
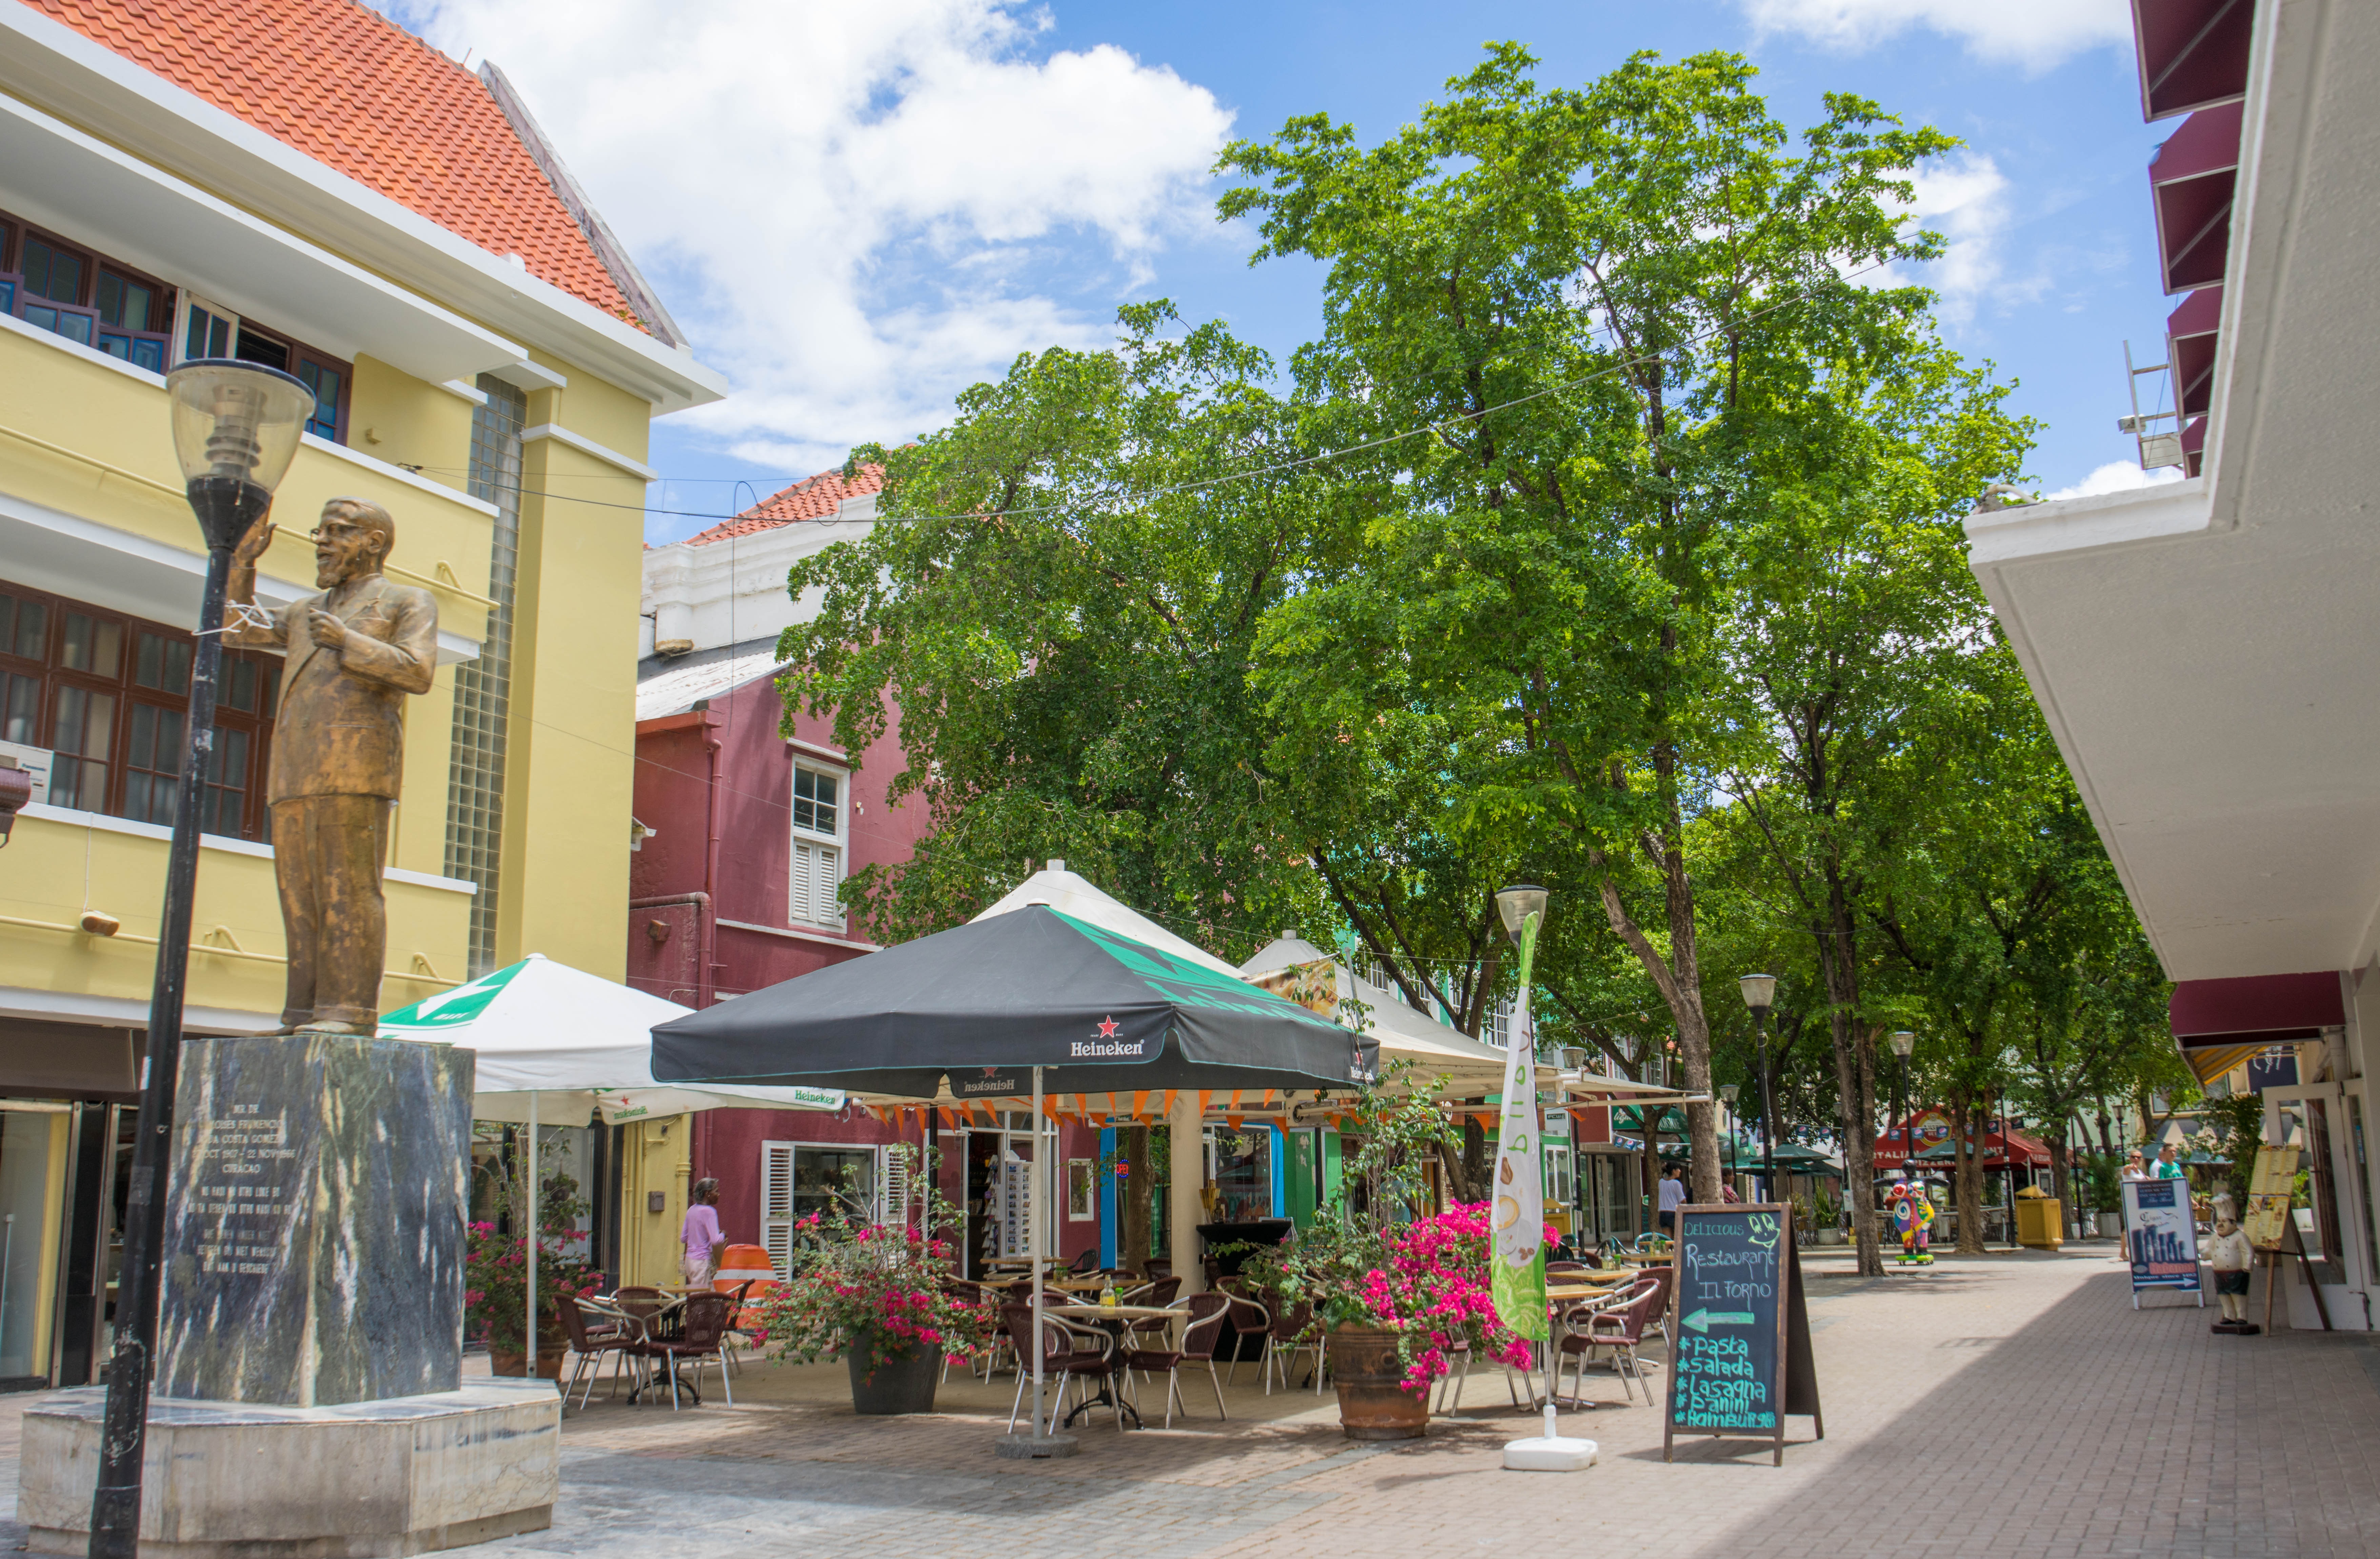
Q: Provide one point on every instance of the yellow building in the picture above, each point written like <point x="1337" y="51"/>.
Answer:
<point x="303" y="183"/>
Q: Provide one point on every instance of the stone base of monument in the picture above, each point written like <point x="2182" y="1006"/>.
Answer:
<point x="360" y="1481"/>
<point x="309" y="1395"/>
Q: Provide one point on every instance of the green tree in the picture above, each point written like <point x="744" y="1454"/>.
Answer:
<point x="1060" y="600"/>
<point x="1606" y="307"/>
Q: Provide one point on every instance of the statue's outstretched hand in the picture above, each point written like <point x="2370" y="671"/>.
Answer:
<point x="252" y="546"/>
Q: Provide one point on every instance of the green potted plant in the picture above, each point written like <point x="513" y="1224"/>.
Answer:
<point x="1396" y="1291"/>
<point x="873" y="1293"/>
<point x="495" y="1272"/>
<point x="1827" y="1217"/>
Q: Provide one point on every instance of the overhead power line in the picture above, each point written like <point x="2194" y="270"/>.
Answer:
<point x="1302" y="462"/>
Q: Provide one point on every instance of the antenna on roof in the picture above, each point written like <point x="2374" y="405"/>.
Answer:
<point x="2157" y="448"/>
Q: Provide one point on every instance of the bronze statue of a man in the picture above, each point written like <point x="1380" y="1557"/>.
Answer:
<point x="338" y="754"/>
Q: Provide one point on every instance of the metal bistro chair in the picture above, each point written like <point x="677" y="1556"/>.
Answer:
<point x="702" y="1330"/>
<point x="1199" y="1335"/>
<point x="1286" y="1338"/>
<point x="1060" y="1358"/>
<point x="1449" y="1386"/>
<point x="615" y="1332"/>
<point x="1249" y="1318"/>
<point x="1618" y="1327"/>
<point x="1160" y="1295"/>
<point x="974" y="1294"/>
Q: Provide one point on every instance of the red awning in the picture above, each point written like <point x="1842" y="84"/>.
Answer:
<point x="2189" y="334"/>
<point x="2194" y="54"/>
<point x="2219" y="1023"/>
<point x="2256" y="1009"/>
<point x="1891" y="1151"/>
<point x="2190" y="182"/>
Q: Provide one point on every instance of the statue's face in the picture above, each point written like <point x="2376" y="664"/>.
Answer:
<point x="344" y="549"/>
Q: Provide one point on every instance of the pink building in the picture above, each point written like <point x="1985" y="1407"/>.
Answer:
<point x="744" y="835"/>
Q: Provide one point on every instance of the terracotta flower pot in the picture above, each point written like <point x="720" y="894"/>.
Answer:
<point x="882" y="1387"/>
<point x="1373" y="1402"/>
<point x="509" y="1361"/>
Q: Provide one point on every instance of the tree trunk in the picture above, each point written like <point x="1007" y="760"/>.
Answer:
<point x="1139" y="1185"/>
<point x="1854" y="1072"/>
<point x="2061" y="1172"/>
<point x="1967" y="1183"/>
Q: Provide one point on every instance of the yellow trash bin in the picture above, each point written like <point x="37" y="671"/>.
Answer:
<point x="2039" y="1225"/>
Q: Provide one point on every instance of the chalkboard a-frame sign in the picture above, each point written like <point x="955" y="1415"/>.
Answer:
<point x="1741" y="1359"/>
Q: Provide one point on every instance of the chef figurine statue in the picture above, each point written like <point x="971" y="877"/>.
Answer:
<point x="1912" y="1214"/>
<point x="2231" y="1257"/>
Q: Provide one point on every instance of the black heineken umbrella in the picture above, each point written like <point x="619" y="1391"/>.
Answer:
<point x="984" y="1003"/>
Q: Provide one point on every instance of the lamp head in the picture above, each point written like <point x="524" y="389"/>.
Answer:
<point x="1759" y="991"/>
<point x="236" y="429"/>
<point x="1903" y="1042"/>
<point x="1728" y="1090"/>
<point x="1517" y="903"/>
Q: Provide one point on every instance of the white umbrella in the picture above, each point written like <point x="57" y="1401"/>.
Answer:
<point x="547" y="1034"/>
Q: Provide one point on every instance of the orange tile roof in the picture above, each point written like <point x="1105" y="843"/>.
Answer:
<point x="355" y="91"/>
<point x="813" y="498"/>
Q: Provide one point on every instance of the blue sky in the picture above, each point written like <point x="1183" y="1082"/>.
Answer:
<point x="856" y="214"/>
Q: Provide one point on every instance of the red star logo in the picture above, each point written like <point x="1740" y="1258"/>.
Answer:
<point x="1107" y="1028"/>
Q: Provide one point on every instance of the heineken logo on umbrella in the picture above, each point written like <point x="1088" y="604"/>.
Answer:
<point x="1107" y="1043"/>
<point x="993" y="1084"/>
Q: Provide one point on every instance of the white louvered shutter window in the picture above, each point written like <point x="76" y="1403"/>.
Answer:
<point x="892" y="1183"/>
<point x="777" y="1205"/>
<point x="816" y="870"/>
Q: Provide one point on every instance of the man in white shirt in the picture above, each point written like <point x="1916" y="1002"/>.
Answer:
<point x="1673" y="1196"/>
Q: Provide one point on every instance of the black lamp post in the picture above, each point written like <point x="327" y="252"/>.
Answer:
<point x="1726" y="1093"/>
<point x="235" y="428"/>
<point x="1760" y="995"/>
<point x="1903" y="1042"/>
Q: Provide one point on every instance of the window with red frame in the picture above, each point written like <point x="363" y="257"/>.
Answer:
<point x="108" y="695"/>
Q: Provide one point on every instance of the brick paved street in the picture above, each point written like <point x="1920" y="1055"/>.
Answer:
<point x="2011" y="1405"/>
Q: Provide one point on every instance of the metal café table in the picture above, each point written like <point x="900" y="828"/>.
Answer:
<point x="1114" y="1319"/>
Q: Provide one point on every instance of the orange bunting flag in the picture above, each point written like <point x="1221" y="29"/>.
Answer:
<point x="1235" y="1102"/>
<point x="1206" y="1097"/>
<point x="1232" y="1121"/>
<point x="1169" y="1102"/>
<point x="949" y="1120"/>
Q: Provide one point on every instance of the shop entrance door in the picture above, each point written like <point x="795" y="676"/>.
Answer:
<point x="2323" y="1120"/>
<point x="34" y="1140"/>
<point x="99" y="1154"/>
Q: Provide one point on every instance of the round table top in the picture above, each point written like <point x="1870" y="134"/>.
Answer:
<point x="1117" y="1313"/>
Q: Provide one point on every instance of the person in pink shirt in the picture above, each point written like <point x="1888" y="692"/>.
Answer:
<point x="700" y="1238"/>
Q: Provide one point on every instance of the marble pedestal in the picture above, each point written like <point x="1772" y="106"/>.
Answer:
<point x="308" y="1400"/>
<point x="314" y="1221"/>
<point x="360" y="1481"/>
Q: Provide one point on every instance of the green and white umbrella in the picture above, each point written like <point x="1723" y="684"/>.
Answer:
<point x="557" y="1042"/>
<point x="578" y="1042"/>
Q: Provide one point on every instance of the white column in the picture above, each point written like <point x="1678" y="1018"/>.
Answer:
<point x="1188" y="1172"/>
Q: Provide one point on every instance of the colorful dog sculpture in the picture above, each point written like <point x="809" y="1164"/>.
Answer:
<point x="1912" y="1214"/>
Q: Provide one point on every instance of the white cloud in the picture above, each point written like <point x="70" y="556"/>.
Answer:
<point x="1965" y="199"/>
<point x="848" y="206"/>
<point x="2117" y="476"/>
<point x="2035" y="34"/>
